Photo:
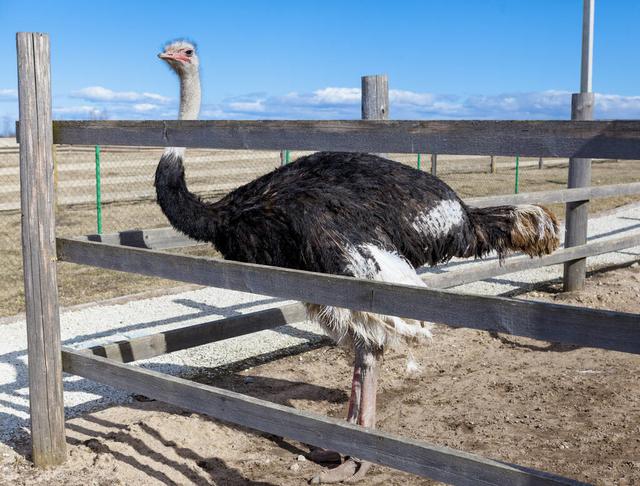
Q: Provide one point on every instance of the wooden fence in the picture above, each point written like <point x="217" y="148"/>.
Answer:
<point x="139" y="252"/>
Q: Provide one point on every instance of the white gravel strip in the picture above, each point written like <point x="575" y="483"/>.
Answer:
<point x="109" y="322"/>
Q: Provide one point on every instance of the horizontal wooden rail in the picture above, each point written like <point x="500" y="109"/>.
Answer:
<point x="618" y="139"/>
<point x="549" y="322"/>
<point x="557" y="195"/>
<point x="157" y="344"/>
<point x="481" y="271"/>
<point x="155" y="238"/>
<point x="436" y="462"/>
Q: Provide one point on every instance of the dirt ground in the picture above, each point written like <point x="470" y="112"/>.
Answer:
<point x="567" y="410"/>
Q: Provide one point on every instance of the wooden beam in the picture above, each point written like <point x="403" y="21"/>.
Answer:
<point x="557" y="195"/>
<point x="38" y="250"/>
<point x="577" y="217"/>
<point x="439" y="463"/>
<point x="374" y="99"/>
<point x="618" y="139"/>
<point x="549" y="322"/>
<point x="157" y="344"/>
<point x="490" y="269"/>
<point x="156" y="238"/>
<point x="151" y="345"/>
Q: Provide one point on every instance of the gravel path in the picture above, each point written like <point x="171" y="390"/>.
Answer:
<point x="103" y="323"/>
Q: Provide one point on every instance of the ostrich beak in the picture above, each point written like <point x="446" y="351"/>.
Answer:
<point x="173" y="56"/>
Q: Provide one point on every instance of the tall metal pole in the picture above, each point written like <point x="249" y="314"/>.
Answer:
<point x="580" y="169"/>
<point x="587" y="46"/>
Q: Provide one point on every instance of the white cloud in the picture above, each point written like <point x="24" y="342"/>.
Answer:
<point x="616" y="106"/>
<point x="81" y="111"/>
<point x="344" y="103"/>
<point x="541" y="104"/>
<point x="336" y="96"/>
<point x="256" y="106"/>
<point x="341" y="103"/>
<point x="145" y="107"/>
<point x="99" y="93"/>
<point x="8" y="94"/>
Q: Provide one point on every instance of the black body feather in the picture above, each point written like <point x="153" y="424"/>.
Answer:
<point x="306" y="215"/>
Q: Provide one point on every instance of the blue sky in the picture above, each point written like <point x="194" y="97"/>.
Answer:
<point x="285" y="59"/>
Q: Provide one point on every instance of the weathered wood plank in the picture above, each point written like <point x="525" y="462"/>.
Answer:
<point x="549" y="322"/>
<point x="166" y="342"/>
<point x="38" y="250"/>
<point x="485" y="270"/>
<point x="157" y="344"/>
<point x="617" y="139"/>
<point x="575" y="272"/>
<point x="156" y="238"/>
<point x="558" y="195"/>
<point x="439" y="463"/>
<point x="374" y="99"/>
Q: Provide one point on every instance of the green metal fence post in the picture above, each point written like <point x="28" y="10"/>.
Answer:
<point x="284" y="157"/>
<point x="418" y="162"/>
<point x="98" y="195"/>
<point x="517" y="171"/>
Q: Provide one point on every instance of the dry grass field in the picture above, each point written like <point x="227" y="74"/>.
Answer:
<point x="128" y="202"/>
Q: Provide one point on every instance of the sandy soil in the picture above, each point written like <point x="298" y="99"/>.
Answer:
<point x="571" y="411"/>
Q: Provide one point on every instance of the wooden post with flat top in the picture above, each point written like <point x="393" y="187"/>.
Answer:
<point x="375" y="98"/>
<point x="39" y="250"/>
<point x="580" y="168"/>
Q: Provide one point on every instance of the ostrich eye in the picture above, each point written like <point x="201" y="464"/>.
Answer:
<point x="189" y="52"/>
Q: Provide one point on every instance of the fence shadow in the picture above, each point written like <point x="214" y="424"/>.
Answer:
<point x="14" y="398"/>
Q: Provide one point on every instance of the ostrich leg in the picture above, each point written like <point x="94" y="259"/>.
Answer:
<point x="362" y="410"/>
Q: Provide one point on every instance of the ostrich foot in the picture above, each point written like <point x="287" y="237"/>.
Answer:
<point x="324" y="456"/>
<point x="350" y="471"/>
<point x="362" y="410"/>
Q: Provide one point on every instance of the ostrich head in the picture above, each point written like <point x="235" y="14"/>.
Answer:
<point x="181" y="56"/>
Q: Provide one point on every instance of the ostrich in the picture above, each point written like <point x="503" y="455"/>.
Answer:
<point x="352" y="214"/>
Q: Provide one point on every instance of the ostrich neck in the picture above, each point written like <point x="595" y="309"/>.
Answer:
<point x="185" y="211"/>
<point x="189" y="96"/>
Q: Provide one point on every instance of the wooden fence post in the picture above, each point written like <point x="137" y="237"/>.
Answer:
<point x="492" y="164"/>
<point x="375" y="98"/>
<point x="39" y="251"/>
<point x="540" y="163"/>
<point x="577" y="212"/>
<point x="434" y="165"/>
<point x="579" y="168"/>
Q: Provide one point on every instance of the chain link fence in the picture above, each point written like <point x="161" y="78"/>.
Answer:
<point x="126" y="198"/>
